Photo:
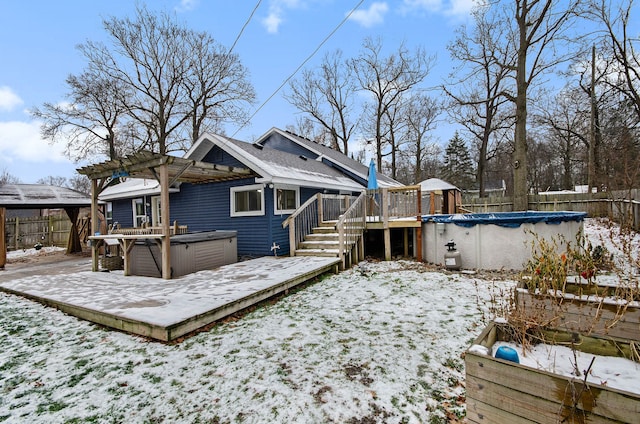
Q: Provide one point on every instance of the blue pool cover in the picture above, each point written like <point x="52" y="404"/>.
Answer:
<point x="506" y="219"/>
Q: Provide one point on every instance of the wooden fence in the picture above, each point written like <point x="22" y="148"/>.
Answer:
<point x="620" y="206"/>
<point x="25" y="233"/>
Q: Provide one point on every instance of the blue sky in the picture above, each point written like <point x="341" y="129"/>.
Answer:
<point x="38" y="40"/>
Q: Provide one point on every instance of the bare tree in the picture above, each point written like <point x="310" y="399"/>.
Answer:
<point x="480" y="101"/>
<point x="539" y="24"/>
<point x="88" y="122"/>
<point x="56" y="181"/>
<point x="619" y="41"/>
<point x="420" y="114"/>
<point x="387" y="79"/>
<point x="309" y="128"/>
<point x="80" y="183"/>
<point x="7" y="178"/>
<point x="327" y="96"/>
<point x="216" y="86"/>
<point x="565" y="118"/>
<point x="156" y="86"/>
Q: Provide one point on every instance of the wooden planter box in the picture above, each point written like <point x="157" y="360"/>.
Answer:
<point x="499" y="391"/>
<point x="573" y="311"/>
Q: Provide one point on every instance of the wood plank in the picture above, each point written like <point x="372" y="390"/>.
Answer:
<point x="524" y="406"/>
<point x="581" y="315"/>
<point x="599" y="400"/>
<point x="482" y="413"/>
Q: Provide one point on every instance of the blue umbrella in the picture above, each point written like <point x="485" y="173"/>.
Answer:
<point x="372" y="183"/>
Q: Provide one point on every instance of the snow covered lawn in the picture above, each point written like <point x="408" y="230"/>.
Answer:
<point x="378" y="343"/>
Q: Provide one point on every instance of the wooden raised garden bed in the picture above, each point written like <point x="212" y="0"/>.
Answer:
<point x="582" y="307"/>
<point x="500" y="391"/>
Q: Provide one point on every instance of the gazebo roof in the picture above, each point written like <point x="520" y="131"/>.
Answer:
<point x="143" y="165"/>
<point x="436" y="184"/>
<point x="40" y="196"/>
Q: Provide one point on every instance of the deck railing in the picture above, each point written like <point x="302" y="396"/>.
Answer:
<point x="352" y="214"/>
<point x="351" y="226"/>
<point x="303" y="220"/>
<point x="334" y="206"/>
<point x="393" y="203"/>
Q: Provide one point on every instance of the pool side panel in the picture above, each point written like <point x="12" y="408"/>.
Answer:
<point x="492" y="247"/>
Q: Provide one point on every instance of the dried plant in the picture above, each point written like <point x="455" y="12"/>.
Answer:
<point x="559" y="272"/>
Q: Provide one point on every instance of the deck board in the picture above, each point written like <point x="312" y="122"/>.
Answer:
<point x="158" y="308"/>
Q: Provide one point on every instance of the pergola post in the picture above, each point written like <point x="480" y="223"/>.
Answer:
<point x="3" y="246"/>
<point x="164" y="213"/>
<point x="94" y="224"/>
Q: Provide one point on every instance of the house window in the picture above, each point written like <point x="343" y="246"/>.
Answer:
<point x="156" y="212"/>
<point x="139" y="212"/>
<point x="108" y="214"/>
<point x="286" y="200"/>
<point x="247" y="200"/>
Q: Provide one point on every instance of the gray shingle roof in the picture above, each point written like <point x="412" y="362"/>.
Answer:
<point x="39" y="196"/>
<point x="279" y="166"/>
<point x="341" y="159"/>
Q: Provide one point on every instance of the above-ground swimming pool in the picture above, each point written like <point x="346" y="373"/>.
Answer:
<point x="500" y="240"/>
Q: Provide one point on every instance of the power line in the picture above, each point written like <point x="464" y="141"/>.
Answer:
<point x="245" y="25"/>
<point x="299" y="67"/>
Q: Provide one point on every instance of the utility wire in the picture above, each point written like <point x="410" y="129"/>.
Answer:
<point x="245" y="25"/>
<point x="244" y="124"/>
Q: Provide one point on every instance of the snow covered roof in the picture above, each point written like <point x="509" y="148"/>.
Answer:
<point x="275" y="166"/>
<point x="335" y="157"/>
<point x="39" y="196"/>
<point x="436" y="184"/>
<point x="133" y="187"/>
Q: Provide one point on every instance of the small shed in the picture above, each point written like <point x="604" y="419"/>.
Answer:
<point x="42" y="196"/>
<point x="440" y="197"/>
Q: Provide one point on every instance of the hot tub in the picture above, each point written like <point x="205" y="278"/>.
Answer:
<point x="501" y="240"/>
<point x="190" y="253"/>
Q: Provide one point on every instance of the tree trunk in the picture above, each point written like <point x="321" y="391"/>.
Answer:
<point x="520" y="189"/>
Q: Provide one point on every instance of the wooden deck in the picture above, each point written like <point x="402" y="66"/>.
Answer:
<point x="158" y="308"/>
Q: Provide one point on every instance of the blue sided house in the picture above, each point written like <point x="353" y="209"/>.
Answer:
<point x="286" y="171"/>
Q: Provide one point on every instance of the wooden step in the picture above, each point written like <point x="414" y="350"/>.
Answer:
<point x="323" y="230"/>
<point x="318" y="252"/>
<point x="322" y="237"/>
<point x="319" y="244"/>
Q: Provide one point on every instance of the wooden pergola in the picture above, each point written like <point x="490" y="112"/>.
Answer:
<point x="165" y="169"/>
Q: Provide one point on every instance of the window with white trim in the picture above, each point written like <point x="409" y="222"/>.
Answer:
<point x="247" y="200"/>
<point x="156" y="211"/>
<point x="108" y="215"/>
<point x="287" y="199"/>
<point x="139" y="212"/>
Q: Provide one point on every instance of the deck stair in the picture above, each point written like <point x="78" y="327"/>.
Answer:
<point x="322" y="241"/>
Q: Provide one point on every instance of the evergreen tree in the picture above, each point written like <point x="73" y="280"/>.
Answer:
<point x="458" y="166"/>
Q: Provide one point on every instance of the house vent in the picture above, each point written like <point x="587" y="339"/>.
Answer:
<point x="303" y="157"/>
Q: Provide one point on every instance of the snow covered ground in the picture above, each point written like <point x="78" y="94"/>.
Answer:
<point x="380" y="343"/>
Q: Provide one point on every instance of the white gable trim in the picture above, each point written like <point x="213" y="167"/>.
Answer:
<point x="250" y="161"/>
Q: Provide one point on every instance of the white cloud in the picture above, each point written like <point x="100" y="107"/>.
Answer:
<point x="8" y="99"/>
<point x="461" y="7"/>
<point x="272" y="22"/>
<point x="21" y="141"/>
<point x="372" y="16"/>
<point x="447" y="7"/>
<point x="187" y="5"/>
<point x="277" y="10"/>
<point x="428" y="5"/>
